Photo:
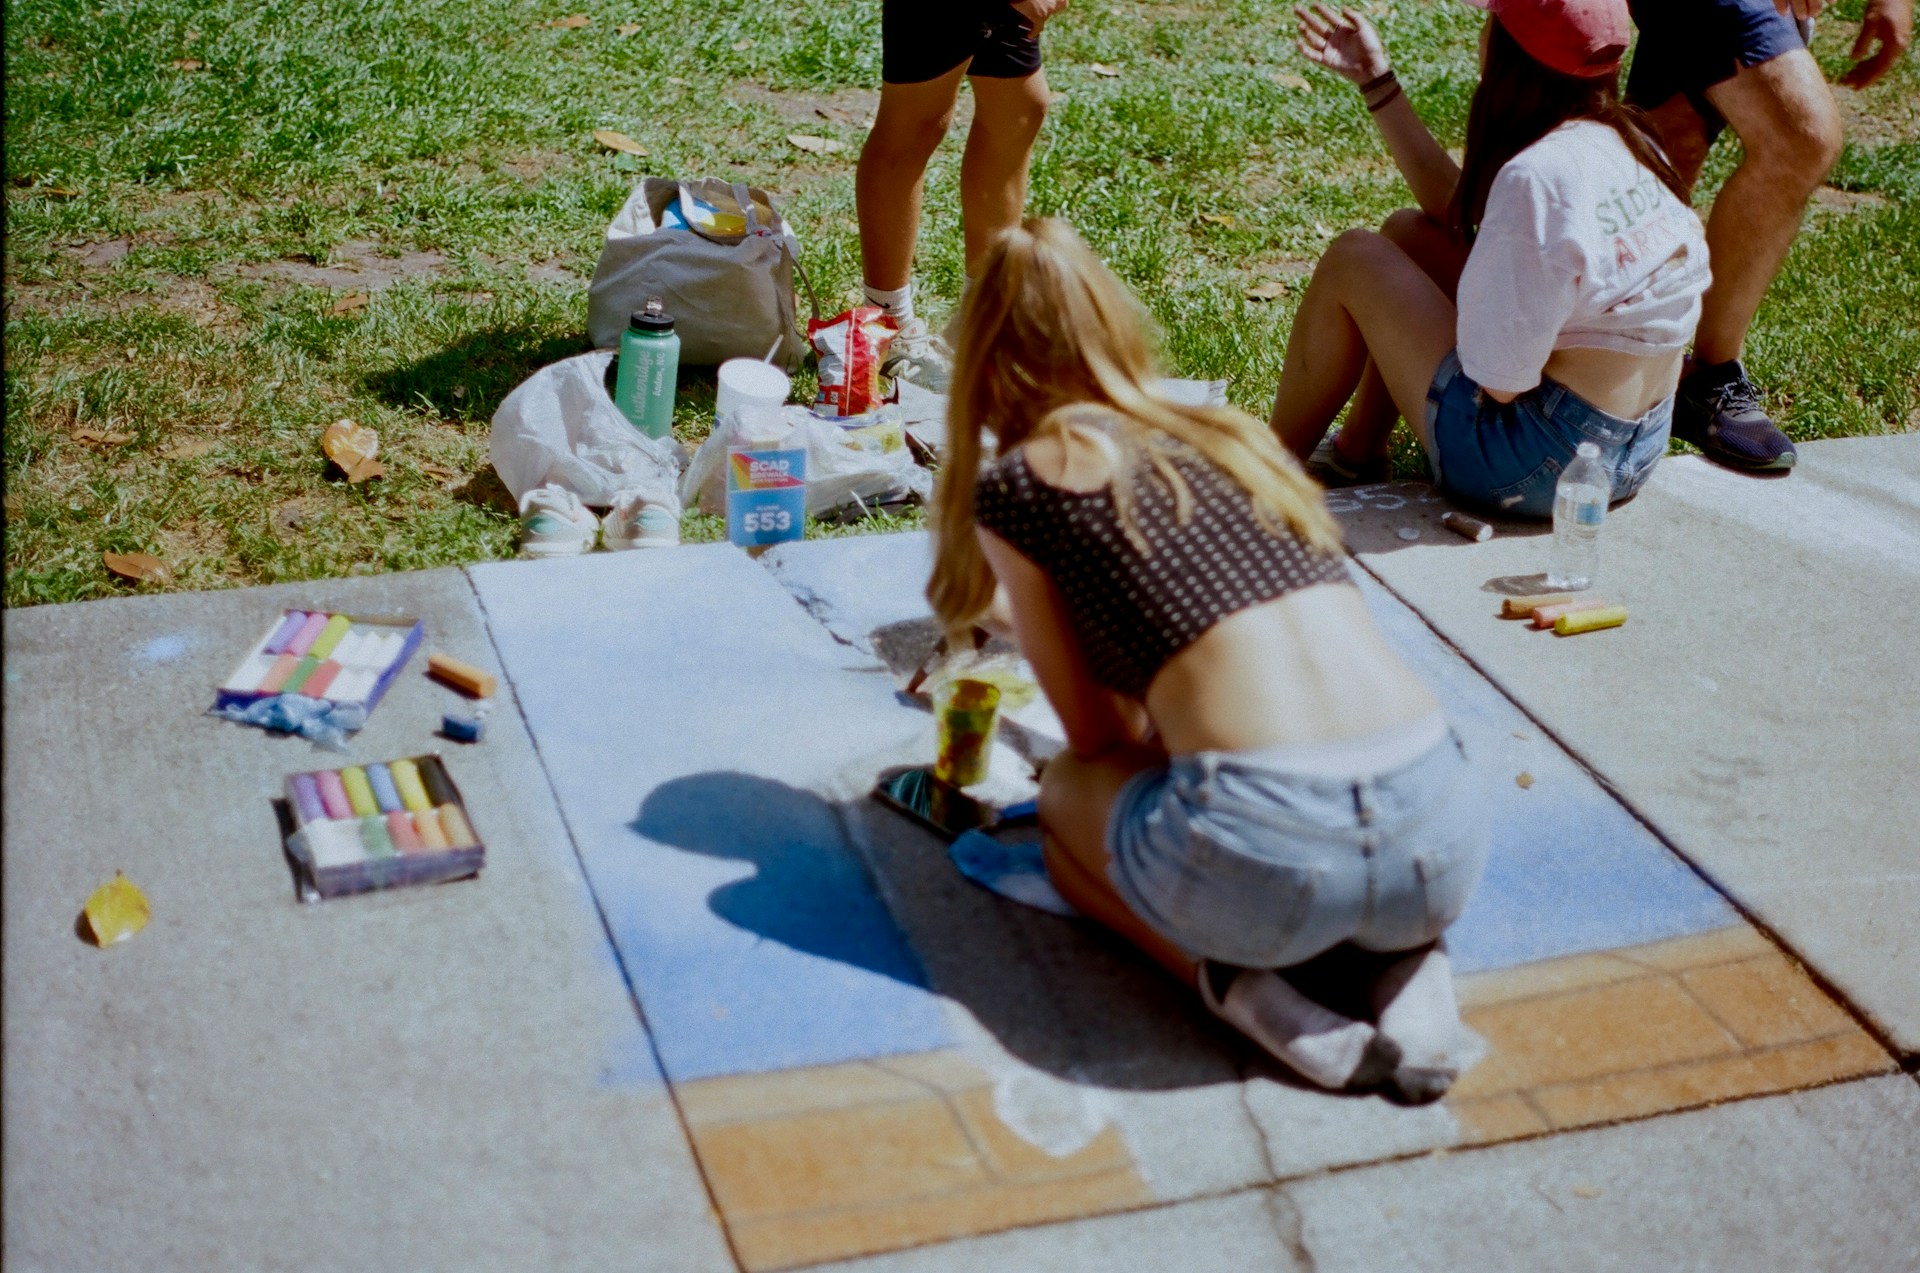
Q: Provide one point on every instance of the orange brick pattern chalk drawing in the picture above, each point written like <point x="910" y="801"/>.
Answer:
<point x="1626" y="1033"/>
<point x="843" y="1160"/>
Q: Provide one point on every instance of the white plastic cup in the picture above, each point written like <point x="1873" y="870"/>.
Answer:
<point x="748" y="382"/>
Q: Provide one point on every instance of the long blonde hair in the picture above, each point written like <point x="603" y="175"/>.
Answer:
<point x="1051" y="339"/>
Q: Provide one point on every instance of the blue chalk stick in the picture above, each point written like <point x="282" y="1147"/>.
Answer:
<point x="462" y="729"/>
<point x="385" y="794"/>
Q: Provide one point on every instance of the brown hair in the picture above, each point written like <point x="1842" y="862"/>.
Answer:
<point x="1053" y="344"/>
<point x="1519" y="101"/>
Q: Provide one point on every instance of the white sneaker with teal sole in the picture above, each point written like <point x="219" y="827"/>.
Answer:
<point x="554" y="523"/>
<point x="919" y="357"/>
<point x="639" y="521"/>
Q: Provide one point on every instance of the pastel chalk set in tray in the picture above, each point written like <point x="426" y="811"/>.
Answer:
<point x="367" y="827"/>
<point x="336" y="657"/>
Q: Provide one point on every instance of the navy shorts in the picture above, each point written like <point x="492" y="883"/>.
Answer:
<point x="1688" y="46"/>
<point x="922" y="40"/>
<point x="1507" y="456"/>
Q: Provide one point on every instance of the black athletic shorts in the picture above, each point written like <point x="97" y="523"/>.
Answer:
<point x="1688" y="46"/>
<point x="922" y="40"/>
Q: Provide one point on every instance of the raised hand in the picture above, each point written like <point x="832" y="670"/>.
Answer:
<point x="1886" y="29"/>
<point x="1037" y="12"/>
<point x="1343" y="41"/>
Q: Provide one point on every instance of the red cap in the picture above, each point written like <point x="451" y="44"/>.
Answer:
<point x="1586" y="38"/>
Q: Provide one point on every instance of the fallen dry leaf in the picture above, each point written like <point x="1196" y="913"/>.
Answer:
<point x="626" y="28"/>
<point x="442" y="472"/>
<point x="1218" y="218"/>
<point x="352" y="447"/>
<point x="676" y="81"/>
<point x="572" y="22"/>
<point x="833" y="114"/>
<point x="618" y="141"/>
<point x="741" y="46"/>
<point x="816" y="145"/>
<point x="1287" y="79"/>
<point x="55" y="192"/>
<point x="100" y="438"/>
<point x="187" y="450"/>
<point x="1271" y="290"/>
<point x="351" y="303"/>
<point x="189" y="64"/>
<point x="116" y="911"/>
<point x="1101" y="68"/>
<point x="1523" y="781"/>
<point x="139" y="567"/>
<point x="1320" y="228"/>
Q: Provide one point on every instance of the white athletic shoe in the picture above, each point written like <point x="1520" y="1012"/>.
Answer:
<point x="554" y="523"/>
<point x="919" y="357"/>
<point x="636" y="521"/>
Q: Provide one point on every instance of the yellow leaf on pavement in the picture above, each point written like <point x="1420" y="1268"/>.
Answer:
<point x="117" y="910"/>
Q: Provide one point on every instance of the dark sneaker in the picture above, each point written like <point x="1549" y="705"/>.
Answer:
<point x="1718" y="410"/>
<point x="1332" y="470"/>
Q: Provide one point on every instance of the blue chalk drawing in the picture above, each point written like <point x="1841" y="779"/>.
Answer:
<point x="164" y="649"/>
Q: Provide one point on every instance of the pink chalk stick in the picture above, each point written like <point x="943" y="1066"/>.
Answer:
<point x="400" y="827"/>
<point x="316" y="686"/>
<point x="309" y="632"/>
<point x="277" y="675"/>
<point x="333" y="794"/>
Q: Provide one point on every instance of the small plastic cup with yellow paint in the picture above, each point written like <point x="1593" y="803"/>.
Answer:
<point x="965" y="713"/>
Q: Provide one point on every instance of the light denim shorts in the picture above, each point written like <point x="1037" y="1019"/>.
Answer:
<point x="1234" y="859"/>
<point x="1507" y="456"/>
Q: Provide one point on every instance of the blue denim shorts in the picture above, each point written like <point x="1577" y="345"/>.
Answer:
<point x="1233" y="859"/>
<point x="1506" y="456"/>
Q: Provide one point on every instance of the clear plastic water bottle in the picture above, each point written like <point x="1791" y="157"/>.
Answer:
<point x="649" y="361"/>
<point x="1579" y="510"/>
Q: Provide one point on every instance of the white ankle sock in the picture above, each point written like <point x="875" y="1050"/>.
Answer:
<point x="897" y="302"/>
<point x="1419" y="1013"/>
<point x="1317" y="1042"/>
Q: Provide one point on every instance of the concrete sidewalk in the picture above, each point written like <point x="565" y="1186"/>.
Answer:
<point x="710" y="1007"/>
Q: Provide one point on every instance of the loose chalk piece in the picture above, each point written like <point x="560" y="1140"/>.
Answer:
<point x="1547" y="616"/>
<point x="464" y="677"/>
<point x="1409" y="533"/>
<point x="463" y="729"/>
<point x="1523" y="607"/>
<point x="1590" y="620"/>
<point x="1467" y="527"/>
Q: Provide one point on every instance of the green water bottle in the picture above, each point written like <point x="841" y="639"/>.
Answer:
<point x="649" y="364"/>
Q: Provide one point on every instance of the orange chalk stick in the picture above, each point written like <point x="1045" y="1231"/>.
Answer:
<point x="1523" y="607"/>
<point x="427" y="823"/>
<point x="464" y="677"/>
<point x="1590" y="620"/>
<point x="454" y="823"/>
<point x="1547" y="616"/>
<point x="277" y="675"/>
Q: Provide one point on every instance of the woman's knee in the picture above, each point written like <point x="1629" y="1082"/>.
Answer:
<point x="1410" y="225"/>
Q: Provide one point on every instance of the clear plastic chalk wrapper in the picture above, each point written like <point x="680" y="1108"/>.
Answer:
<point x="384" y="825"/>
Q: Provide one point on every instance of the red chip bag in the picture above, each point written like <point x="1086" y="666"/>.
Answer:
<point x="851" y="346"/>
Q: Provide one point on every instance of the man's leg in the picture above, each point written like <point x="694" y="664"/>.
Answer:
<point x="1790" y="128"/>
<point x="892" y="175"/>
<point x="1007" y="115"/>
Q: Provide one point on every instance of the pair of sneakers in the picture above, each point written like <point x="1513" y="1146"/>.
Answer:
<point x="554" y="523"/>
<point x="919" y="356"/>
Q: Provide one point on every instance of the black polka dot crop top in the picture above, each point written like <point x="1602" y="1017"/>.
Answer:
<point x="1132" y="612"/>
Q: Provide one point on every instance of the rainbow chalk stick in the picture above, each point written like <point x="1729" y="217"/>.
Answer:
<point x="335" y="843"/>
<point x="382" y="783"/>
<point x="323" y="645"/>
<point x="306" y="798"/>
<point x="277" y="674"/>
<point x="427" y="822"/>
<point x="1589" y="620"/>
<point x="373" y="834"/>
<point x="290" y="623"/>
<point x="439" y="788"/>
<point x="406" y="778"/>
<point x="247" y="679"/>
<point x="359" y="794"/>
<point x="322" y="679"/>
<point x="1547" y="616"/>
<point x="333" y="794"/>
<point x="297" y="683"/>
<point x="459" y="834"/>
<point x="309" y="633"/>
<point x="400" y="831"/>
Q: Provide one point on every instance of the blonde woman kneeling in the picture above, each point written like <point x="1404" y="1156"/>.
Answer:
<point x="1253" y="775"/>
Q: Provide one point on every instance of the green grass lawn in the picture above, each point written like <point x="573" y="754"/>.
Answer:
<point x="193" y="187"/>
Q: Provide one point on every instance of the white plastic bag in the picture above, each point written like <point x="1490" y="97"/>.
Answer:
<point x="728" y="284"/>
<point x="560" y="426"/>
<point x="844" y="466"/>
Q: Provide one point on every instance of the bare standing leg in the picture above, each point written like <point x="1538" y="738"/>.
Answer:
<point x="907" y="129"/>
<point x="1007" y="115"/>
